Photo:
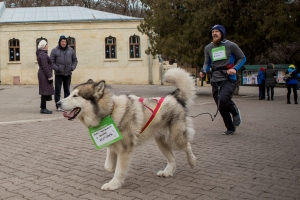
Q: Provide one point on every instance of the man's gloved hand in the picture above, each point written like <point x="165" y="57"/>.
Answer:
<point x="50" y="81"/>
<point x="202" y="74"/>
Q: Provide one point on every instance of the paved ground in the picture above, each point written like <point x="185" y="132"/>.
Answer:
<point x="47" y="157"/>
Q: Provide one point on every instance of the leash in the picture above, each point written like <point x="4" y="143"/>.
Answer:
<point x="212" y="117"/>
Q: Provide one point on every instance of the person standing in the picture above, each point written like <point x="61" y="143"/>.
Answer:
<point x="64" y="62"/>
<point x="270" y="80"/>
<point x="224" y="58"/>
<point x="45" y="77"/>
<point x="292" y="83"/>
<point x="261" y="83"/>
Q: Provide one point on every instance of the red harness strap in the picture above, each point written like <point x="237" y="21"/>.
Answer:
<point x="154" y="112"/>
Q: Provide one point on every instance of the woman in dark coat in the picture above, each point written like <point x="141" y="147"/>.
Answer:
<point x="270" y="80"/>
<point x="45" y="77"/>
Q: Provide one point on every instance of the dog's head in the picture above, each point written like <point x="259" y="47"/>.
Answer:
<point x="87" y="101"/>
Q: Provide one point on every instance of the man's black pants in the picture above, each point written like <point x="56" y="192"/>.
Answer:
<point x="227" y="107"/>
<point x="59" y="81"/>
<point x="289" y="91"/>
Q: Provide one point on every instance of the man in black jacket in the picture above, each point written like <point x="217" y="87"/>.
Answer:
<point x="64" y="61"/>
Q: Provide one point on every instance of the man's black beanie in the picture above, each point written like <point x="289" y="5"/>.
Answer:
<point x="220" y="28"/>
<point x="62" y="37"/>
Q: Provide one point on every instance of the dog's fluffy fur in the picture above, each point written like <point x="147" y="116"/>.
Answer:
<point x="172" y="128"/>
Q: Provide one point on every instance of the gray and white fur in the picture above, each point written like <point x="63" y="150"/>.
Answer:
<point x="172" y="128"/>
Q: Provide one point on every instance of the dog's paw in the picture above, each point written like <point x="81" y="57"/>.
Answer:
<point x="164" y="173"/>
<point x="192" y="161"/>
<point x="112" y="185"/>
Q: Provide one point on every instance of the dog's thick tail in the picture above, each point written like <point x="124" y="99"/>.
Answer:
<point x="184" y="82"/>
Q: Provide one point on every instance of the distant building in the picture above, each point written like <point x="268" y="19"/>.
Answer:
<point x="108" y="46"/>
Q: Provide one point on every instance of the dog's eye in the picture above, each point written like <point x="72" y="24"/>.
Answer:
<point x="75" y="95"/>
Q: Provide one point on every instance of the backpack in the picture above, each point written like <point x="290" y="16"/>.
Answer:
<point x="287" y="77"/>
<point x="294" y="74"/>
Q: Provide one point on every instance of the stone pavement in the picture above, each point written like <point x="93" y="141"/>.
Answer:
<point x="47" y="157"/>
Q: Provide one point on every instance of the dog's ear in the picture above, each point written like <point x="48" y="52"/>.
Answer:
<point x="90" y="81"/>
<point x="99" y="89"/>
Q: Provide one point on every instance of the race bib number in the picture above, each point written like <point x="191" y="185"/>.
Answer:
<point x="105" y="134"/>
<point x="218" y="53"/>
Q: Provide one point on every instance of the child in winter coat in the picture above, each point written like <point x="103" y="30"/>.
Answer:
<point x="261" y="83"/>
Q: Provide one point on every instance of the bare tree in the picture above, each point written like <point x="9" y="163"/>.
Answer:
<point x="123" y="7"/>
<point x="28" y="3"/>
<point x="281" y="53"/>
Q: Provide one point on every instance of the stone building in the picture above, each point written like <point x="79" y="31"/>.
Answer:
<point x="108" y="46"/>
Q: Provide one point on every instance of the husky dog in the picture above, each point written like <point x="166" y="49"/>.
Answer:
<point x="171" y="128"/>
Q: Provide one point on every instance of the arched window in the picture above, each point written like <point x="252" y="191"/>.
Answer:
<point x="38" y="41"/>
<point x="134" y="46"/>
<point x="14" y="49"/>
<point x="110" y="47"/>
<point x="72" y="43"/>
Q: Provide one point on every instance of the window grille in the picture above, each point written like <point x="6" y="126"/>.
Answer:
<point x="14" y="50"/>
<point x="134" y="46"/>
<point x="110" y="47"/>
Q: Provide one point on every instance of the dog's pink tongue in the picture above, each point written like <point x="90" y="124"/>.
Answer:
<point x="66" y="115"/>
<point x="69" y="115"/>
<point x="72" y="114"/>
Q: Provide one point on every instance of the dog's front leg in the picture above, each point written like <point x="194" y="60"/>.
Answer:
<point x="111" y="160"/>
<point x="123" y="160"/>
